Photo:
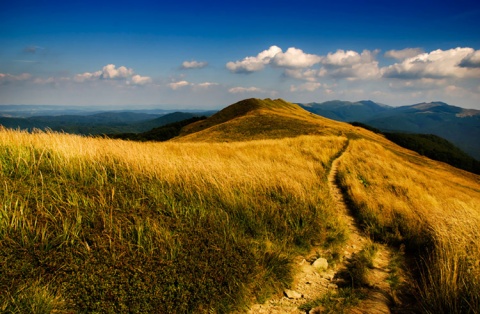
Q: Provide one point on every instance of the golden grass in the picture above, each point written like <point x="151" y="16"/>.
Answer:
<point x="110" y="225"/>
<point x="431" y="207"/>
<point x="255" y="119"/>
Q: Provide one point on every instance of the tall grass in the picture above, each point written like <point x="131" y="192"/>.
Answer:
<point x="116" y="226"/>
<point x="432" y="208"/>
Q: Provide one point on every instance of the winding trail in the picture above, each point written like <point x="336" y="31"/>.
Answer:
<point x="310" y="283"/>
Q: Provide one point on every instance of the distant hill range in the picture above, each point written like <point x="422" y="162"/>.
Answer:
<point x="458" y="125"/>
<point x="108" y="122"/>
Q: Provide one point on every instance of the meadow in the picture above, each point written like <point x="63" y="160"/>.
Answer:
<point x="211" y="221"/>
<point x="100" y="225"/>
<point x="430" y="209"/>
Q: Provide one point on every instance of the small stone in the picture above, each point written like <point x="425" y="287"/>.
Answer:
<point x="291" y="294"/>
<point x="321" y="264"/>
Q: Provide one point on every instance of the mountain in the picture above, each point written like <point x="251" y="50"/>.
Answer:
<point x="345" y="110"/>
<point x="260" y="119"/>
<point x="458" y="125"/>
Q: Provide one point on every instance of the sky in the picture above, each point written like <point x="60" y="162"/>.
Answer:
<point x="209" y="54"/>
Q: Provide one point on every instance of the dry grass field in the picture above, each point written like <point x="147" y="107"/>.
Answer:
<point x="431" y="208"/>
<point x="211" y="221"/>
<point x="105" y="225"/>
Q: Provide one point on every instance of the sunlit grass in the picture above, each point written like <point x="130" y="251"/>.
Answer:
<point x="110" y="225"/>
<point x="432" y="208"/>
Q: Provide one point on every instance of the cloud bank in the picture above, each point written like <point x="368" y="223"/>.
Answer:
<point x="402" y="76"/>
<point x="438" y="64"/>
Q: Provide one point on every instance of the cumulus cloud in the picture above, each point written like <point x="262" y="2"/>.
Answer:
<point x="179" y="84"/>
<point x="308" y="86"/>
<point x="342" y="58"/>
<point x="111" y="72"/>
<point x="452" y="63"/>
<point x="238" y="90"/>
<point x="352" y="65"/>
<point x="253" y="64"/>
<point x="404" y="53"/>
<point x="141" y="80"/>
<point x="194" y="64"/>
<point x="472" y="60"/>
<point x="295" y="58"/>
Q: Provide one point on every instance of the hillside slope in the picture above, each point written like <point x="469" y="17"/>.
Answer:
<point x="253" y="119"/>
<point x="198" y="225"/>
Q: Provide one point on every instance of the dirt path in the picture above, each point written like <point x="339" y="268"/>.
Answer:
<point x="311" y="283"/>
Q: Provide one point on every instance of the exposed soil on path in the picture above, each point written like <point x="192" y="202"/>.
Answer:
<point x="312" y="283"/>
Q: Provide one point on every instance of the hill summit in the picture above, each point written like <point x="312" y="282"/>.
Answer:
<point x="253" y="118"/>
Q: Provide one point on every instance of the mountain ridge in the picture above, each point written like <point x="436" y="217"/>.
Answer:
<point x="458" y="125"/>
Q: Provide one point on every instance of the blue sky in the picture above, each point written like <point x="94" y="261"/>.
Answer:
<point x="208" y="54"/>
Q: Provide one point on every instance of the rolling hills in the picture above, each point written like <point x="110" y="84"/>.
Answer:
<point x="213" y="220"/>
<point x="108" y="122"/>
<point x="458" y="125"/>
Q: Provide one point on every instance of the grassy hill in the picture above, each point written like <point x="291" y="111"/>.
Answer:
<point x="252" y="119"/>
<point x="199" y="225"/>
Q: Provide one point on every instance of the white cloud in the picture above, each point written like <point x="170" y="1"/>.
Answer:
<point x="404" y="53"/>
<point x="141" y="80"/>
<point x="237" y="90"/>
<point x="308" y="86"/>
<point x="352" y="65"/>
<point x="472" y="60"/>
<point x="193" y="64"/>
<point x="111" y="72"/>
<point x="453" y="63"/>
<point x="177" y="85"/>
<point x="87" y="76"/>
<point x="342" y="58"/>
<point x="292" y="58"/>
<point x="295" y="58"/>
<point x="253" y="64"/>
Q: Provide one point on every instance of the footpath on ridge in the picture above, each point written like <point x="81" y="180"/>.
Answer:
<point x="314" y="277"/>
